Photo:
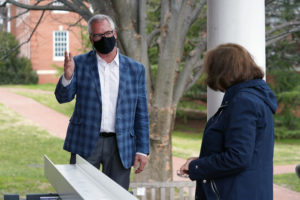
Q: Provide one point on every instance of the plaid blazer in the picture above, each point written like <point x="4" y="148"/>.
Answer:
<point x="132" y="121"/>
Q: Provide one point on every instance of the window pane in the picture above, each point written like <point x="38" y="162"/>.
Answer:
<point x="60" y="43"/>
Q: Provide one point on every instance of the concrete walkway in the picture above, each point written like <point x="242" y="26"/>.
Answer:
<point x="56" y="124"/>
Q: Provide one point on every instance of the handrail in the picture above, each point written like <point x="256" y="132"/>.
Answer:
<point x="165" y="190"/>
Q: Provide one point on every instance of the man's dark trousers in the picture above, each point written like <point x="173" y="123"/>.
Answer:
<point x="106" y="153"/>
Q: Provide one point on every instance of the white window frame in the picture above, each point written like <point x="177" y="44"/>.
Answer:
<point x="57" y="3"/>
<point x="55" y="57"/>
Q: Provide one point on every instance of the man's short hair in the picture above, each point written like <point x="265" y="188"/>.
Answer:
<point x="229" y="64"/>
<point x="100" y="17"/>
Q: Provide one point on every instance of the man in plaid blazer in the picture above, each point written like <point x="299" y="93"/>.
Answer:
<point x="110" y="123"/>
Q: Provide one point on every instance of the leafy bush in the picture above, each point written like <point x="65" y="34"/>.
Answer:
<point x="282" y="132"/>
<point x="284" y="80"/>
<point x="286" y="84"/>
<point x="14" y="69"/>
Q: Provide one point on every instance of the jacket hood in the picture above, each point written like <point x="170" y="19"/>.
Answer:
<point x="257" y="87"/>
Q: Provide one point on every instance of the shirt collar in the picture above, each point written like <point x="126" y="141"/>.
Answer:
<point x="115" y="60"/>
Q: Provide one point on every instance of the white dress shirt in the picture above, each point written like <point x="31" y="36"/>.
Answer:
<point x="109" y="82"/>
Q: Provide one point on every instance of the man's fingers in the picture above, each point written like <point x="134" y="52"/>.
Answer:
<point x="68" y="57"/>
<point x="183" y="169"/>
<point x="142" y="165"/>
<point x="141" y="161"/>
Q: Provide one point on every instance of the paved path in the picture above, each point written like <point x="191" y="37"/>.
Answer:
<point x="56" y="124"/>
<point x="47" y="118"/>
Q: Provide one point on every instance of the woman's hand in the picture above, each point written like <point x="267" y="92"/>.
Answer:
<point x="184" y="169"/>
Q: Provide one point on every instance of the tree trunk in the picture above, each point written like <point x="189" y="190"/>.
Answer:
<point x="159" y="165"/>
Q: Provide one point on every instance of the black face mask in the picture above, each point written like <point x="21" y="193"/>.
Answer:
<point x="105" y="45"/>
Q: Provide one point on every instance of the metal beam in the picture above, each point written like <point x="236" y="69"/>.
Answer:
<point x="83" y="181"/>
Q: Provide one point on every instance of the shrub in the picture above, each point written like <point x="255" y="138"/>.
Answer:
<point x="284" y="80"/>
<point x="14" y="69"/>
<point x="286" y="86"/>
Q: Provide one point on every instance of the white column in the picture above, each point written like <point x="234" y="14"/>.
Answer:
<point x="235" y="21"/>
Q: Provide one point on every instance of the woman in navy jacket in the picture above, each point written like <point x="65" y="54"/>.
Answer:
<point x="236" y="157"/>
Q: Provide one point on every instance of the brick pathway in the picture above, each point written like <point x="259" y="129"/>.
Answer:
<point x="56" y="124"/>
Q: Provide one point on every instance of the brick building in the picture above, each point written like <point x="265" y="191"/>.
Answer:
<point x="55" y="33"/>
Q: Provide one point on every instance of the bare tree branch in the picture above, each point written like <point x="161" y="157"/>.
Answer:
<point x="75" y="23"/>
<point x="141" y="23"/>
<point x="185" y="78"/>
<point x="189" y="18"/>
<point x="267" y="2"/>
<point x="20" y="14"/>
<point x="282" y="26"/>
<point x="77" y="7"/>
<point x="48" y="6"/>
<point x="198" y="72"/>
<point x="33" y="31"/>
<point x="196" y="11"/>
<point x="273" y="39"/>
<point x="151" y="36"/>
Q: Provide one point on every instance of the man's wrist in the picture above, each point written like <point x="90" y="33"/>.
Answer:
<point x="141" y="154"/>
<point x="64" y="81"/>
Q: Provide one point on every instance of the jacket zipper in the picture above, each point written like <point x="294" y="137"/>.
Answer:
<point x="219" y="112"/>
<point x="215" y="189"/>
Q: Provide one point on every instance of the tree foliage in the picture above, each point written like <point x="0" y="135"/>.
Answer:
<point x="286" y="84"/>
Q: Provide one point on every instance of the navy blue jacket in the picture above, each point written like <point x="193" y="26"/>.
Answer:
<point x="236" y="157"/>
<point x="132" y="121"/>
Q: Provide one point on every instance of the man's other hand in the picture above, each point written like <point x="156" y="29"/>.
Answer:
<point x="140" y="162"/>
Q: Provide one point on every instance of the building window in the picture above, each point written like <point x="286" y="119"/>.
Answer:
<point x="60" y="44"/>
<point x="57" y="3"/>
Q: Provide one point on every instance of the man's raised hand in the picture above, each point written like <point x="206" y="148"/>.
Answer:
<point x="68" y="65"/>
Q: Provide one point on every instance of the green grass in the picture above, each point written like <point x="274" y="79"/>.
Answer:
<point x="289" y="180"/>
<point x="50" y="101"/>
<point x="287" y="152"/>
<point x="186" y="145"/>
<point x="45" y="87"/>
<point x="44" y="94"/>
<point x="23" y="145"/>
